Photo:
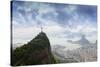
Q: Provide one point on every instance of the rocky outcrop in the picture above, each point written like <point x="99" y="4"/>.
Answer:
<point x="37" y="51"/>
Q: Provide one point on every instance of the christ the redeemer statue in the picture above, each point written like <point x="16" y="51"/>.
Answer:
<point x="41" y="29"/>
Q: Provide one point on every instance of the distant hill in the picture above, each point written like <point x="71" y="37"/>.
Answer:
<point x="86" y="53"/>
<point x="83" y="41"/>
<point x="37" y="51"/>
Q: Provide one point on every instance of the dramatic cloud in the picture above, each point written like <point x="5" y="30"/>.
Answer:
<point x="60" y="22"/>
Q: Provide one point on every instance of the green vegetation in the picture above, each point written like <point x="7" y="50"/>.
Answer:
<point x="37" y="51"/>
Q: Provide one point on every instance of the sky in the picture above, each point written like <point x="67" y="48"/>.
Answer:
<point x="61" y="22"/>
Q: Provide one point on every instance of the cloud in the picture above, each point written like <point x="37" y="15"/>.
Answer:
<point x="89" y="12"/>
<point x="70" y="9"/>
<point x="60" y="22"/>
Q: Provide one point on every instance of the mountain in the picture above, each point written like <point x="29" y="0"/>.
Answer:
<point x="37" y="51"/>
<point x="83" y="41"/>
<point x="56" y="47"/>
<point x="87" y="52"/>
<point x="62" y="55"/>
<point x="82" y="54"/>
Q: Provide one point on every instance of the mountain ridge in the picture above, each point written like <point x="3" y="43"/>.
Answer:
<point x="37" y="51"/>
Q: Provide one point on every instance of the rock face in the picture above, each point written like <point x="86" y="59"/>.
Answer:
<point x="37" y="51"/>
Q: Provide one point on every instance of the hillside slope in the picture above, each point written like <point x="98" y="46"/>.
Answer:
<point x="37" y="51"/>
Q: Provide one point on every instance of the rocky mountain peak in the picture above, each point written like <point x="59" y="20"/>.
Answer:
<point x="37" y="51"/>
